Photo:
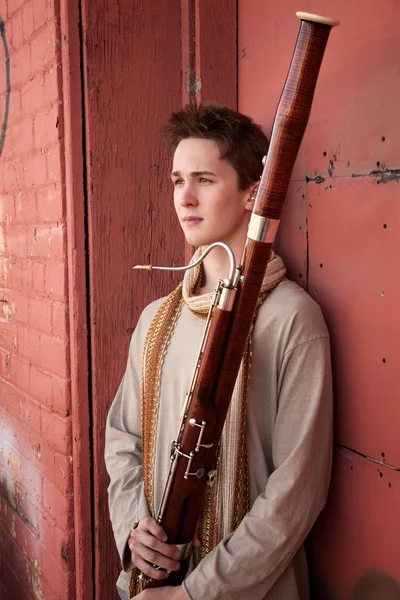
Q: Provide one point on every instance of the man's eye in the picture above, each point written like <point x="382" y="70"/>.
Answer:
<point x="204" y="180"/>
<point x="178" y="182"/>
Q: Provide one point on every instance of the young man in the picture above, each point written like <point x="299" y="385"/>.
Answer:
<point x="263" y="507"/>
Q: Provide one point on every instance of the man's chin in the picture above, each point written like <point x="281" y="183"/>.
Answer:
<point x="200" y="242"/>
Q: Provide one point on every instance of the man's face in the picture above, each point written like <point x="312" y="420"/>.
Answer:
<point x="209" y="204"/>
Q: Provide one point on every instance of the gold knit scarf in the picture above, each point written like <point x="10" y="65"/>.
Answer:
<point x="227" y="499"/>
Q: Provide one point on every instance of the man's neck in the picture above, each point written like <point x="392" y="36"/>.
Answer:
<point x="217" y="265"/>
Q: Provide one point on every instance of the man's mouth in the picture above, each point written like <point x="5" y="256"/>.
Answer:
<point x="192" y="220"/>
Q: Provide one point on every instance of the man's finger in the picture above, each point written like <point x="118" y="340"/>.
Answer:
<point x="149" y="570"/>
<point x="150" y="525"/>
<point x="155" y="558"/>
<point x="140" y="536"/>
<point x="167" y="549"/>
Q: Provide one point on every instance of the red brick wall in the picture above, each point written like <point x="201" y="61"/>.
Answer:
<point x="36" y="510"/>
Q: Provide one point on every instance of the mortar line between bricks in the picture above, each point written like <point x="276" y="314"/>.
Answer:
<point x="88" y="288"/>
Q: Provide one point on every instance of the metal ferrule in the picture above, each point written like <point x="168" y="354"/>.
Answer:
<point x="226" y="299"/>
<point x="186" y="550"/>
<point x="262" y="229"/>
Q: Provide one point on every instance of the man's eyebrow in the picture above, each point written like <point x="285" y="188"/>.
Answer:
<point x="193" y="173"/>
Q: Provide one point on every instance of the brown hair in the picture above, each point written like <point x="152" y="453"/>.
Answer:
<point x="241" y="141"/>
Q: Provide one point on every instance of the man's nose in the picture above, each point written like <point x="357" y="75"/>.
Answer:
<point x="188" y="196"/>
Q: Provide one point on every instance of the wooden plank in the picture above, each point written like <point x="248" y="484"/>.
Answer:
<point x="216" y="51"/>
<point x="133" y="81"/>
<point x="78" y="339"/>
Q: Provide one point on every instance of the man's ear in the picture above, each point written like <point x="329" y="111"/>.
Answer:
<point x="252" y="193"/>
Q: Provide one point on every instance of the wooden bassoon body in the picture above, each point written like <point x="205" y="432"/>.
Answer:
<point x="195" y="449"/>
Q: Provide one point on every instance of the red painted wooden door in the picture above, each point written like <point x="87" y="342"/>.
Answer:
<point x="132" y="83"/>
<point x="141" y="61"/>
<point x="339" y="237"/>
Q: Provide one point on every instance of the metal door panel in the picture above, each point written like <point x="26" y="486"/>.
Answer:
<point x="363" y="506"/>
<point x="360" y="295"/>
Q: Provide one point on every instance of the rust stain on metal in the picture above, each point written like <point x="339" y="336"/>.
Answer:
<point x="383" y="175"/>
<point x="387" y="175"/>
<point x="316" y="179"/>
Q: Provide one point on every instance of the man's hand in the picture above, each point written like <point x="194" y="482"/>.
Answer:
<point x="163" y="593"/>
<point x="148" y="546"/>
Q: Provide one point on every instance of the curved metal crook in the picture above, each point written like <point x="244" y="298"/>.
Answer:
<point x="232" y="262"/>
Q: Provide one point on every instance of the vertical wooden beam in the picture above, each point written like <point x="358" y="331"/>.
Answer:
<point x="132" y="74"/>
<point x="77" y="290"/>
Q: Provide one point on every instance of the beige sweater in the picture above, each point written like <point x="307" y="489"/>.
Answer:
<point x="289" y="448"/>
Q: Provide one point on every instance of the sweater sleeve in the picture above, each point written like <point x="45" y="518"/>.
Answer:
<point x="248" y="562"/>
<point x="123" y="454"/>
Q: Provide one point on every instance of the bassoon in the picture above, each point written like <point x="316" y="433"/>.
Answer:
<point x="194" y="451"/>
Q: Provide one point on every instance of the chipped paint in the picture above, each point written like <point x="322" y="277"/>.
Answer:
<point x="15" y="464"/>
<point x="6" y="308"/>
<point x="316" y="179"/>
<point x="36" y="580"/>
<point x="12" y="527"/>
<point x="345" y="450"/>
<point x="37" y="450"/>
<point x="383" y="175"/>
<point x="193" y="85"/>
<point x="386" y="175"/>
<point x="12" y="493"/>
<point x="64" y="553"/>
